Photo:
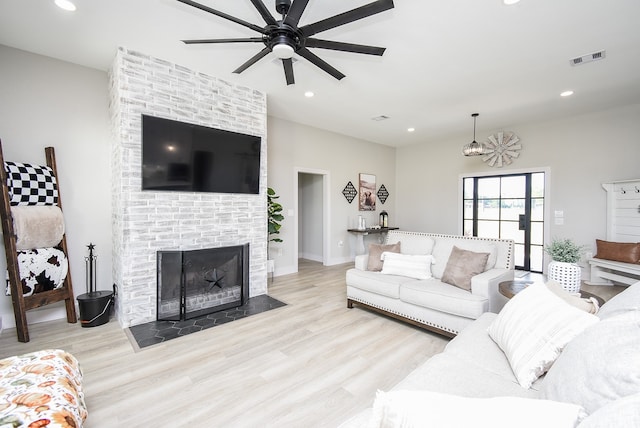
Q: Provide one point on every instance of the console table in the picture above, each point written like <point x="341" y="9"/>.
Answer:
<point x="361" y="233"/>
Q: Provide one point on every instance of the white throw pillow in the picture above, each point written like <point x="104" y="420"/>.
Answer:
<point x="413" y="409"/>
<point x="413" y="266"/>
<point x="533" y="328"/>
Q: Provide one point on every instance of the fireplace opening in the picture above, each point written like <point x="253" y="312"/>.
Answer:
<point x="199" y="282"/>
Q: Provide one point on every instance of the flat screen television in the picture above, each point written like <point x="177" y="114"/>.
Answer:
<point x="193" y="158"/>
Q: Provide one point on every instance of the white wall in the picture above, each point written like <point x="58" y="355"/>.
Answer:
<point x="46" y="102"/>
<point x="581" y="153"/>
<point x="291" y="146"/>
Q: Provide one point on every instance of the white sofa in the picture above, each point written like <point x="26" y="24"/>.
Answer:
<point x="430" y="303"/>
<point x="597" y="374"/>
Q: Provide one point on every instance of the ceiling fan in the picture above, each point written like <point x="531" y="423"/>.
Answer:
<point x="284" y="37"/>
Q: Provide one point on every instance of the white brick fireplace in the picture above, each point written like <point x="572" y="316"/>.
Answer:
<point x="145" y="222"/>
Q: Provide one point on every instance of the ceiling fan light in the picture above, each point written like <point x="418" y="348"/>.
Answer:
<point x="282" y="51"/>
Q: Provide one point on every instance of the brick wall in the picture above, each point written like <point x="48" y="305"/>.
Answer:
<point x="145" y="222"/>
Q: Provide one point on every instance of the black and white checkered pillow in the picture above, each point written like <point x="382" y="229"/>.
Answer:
<point x="31" y="184"/>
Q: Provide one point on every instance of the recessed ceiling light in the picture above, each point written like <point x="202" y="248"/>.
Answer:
<point x="566" y="93"/>
<point x="411" y="129"/>
<point x="309" y="94"/>
<point x="66" y="5"/>
<point x="510" y="2"/>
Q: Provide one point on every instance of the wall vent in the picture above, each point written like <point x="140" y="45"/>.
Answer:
<point x="379" y="118"/>
<point x="595" y="56"/>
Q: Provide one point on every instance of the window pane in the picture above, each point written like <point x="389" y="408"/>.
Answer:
<point x="513" y="187"/>
<point x="537" y="209"/>
<point x="536" y="258"/>
<point x="537" y="185"/>
<point x="518" y="255"/>
<point x="537" y="233"/>
<point x="468" y="188"/>
<point x="489" y="187"/>
<point x="488" y="209"/>
<point x="468" y="210"/>
<point x="511" y="209"/>
<point x="488" y="229"/>
<point x="468" y="228"/>
<point x="509" y="230"/>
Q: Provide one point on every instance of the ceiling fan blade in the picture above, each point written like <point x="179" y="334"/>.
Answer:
<point x="252" y="60"/>
<point x="266" y="15"/>
<point x="243" y="40"/>
<point x="347" y="17"/>
<point x="223" y="15"/>
<point x="288" y="71"/>
<point x="345" y="47"/>
<point x="295" y="12"/>
<point x="317" y="61"/>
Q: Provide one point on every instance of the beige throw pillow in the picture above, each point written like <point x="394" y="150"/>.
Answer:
<point x="462" y="265"/>
<point x="375" y="255"/>
<point x="533" y="328"/>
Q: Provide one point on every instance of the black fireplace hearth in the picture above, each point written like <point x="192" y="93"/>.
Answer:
<point x="198" y="282"/>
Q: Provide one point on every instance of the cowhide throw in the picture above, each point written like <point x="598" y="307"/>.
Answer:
<point x="41" y="269"/>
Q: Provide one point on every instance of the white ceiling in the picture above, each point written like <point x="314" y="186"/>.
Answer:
<point x="445" y="59"/>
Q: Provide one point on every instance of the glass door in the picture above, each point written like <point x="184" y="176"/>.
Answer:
<point x="508" y="207"/>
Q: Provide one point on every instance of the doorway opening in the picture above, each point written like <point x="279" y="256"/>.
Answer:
<point x="311" y="191"/>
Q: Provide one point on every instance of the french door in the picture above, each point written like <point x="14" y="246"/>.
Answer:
<point x="508" y="207"/>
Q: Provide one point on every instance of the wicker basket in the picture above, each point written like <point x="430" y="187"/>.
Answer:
<point x="567" y="274"/>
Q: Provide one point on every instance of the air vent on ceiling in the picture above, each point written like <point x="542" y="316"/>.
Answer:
<point x="379" y="118"/>
<point x="595" y="56"/>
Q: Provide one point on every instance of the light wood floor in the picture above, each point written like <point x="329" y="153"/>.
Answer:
<point x="312" y="363"/>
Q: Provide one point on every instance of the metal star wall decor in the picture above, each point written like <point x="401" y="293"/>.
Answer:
<point x="383" y="194"/>
<point x="349" y="192"/>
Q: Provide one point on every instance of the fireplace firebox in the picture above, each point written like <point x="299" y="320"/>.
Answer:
<point x="194" y="283"/>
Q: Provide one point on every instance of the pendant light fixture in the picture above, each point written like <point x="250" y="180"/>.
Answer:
<point x="474" y="148"/>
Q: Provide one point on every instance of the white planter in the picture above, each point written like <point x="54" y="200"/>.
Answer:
<point x="567" y="274"/>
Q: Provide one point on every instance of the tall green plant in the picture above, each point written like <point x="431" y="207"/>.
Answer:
<point x="274" y="215"/>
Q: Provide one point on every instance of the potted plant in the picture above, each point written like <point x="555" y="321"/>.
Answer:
<point x="565" y="254"/>
<point x="274" y="217"/>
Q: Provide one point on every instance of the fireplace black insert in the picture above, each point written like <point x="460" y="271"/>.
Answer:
<point x="198" y="282"/>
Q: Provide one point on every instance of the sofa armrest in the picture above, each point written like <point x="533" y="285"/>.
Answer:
<point x="362" y="261"/>
<point x="486" y="285"/>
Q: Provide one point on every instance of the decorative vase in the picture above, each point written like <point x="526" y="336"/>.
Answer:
<point x="566" y="274"/>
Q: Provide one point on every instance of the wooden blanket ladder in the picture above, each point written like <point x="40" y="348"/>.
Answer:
<point x="21" y="303"/>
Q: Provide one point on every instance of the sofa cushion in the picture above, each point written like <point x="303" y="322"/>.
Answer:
<point x="375" y="282"/>
<point x="626" y="252"/>
<point x="462" y="265"/>
<point x="405" y="409"/>
<point x="533" y="328"/>
<point x="412" y="243"/>
<point x="374" y="262"/>
<point x="434" y="294"/>
<point x="628" y="300"/>
<point x="624" y="412"/>
<point x="442" y="251"/>
<point x="410" y="265"/>
<point x="599" y="366"/>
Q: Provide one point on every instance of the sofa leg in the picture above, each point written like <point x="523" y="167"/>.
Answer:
<point x="349" y="304"/>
